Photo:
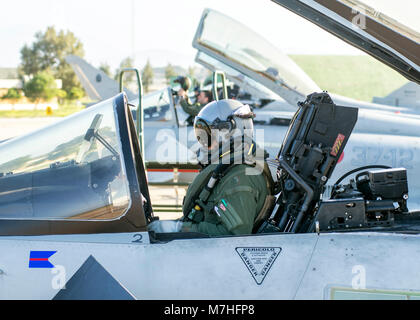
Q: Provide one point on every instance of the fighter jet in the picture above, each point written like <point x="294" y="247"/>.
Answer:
<point x="273" y="84"/>
<point x="407" y="96"/>
<point x="74" y="210"/>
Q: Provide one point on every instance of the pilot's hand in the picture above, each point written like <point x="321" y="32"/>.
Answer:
<point x="162" y="226"/>
<point x="181" y="93"/>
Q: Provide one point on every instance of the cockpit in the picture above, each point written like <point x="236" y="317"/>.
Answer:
<point x="79" y="169"/>
<point x="156" y="106"/>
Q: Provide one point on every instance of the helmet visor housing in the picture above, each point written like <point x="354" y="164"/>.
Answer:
<point x="208" y="134"/>
<point x="202" y="132"/>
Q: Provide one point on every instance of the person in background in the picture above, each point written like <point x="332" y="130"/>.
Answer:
<point x="192" y="109"/>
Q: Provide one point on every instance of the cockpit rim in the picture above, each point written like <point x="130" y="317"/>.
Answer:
<point x="134" y="218"/>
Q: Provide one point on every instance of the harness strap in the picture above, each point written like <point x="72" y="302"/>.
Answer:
<point x="268" y="206"/>
<point x="199" y="200"/>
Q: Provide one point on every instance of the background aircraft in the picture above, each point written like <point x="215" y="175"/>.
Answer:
<point x="407" y="96"/>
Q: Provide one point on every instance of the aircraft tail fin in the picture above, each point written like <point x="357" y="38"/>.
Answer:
<point x="97" y="84"/>
<point x="406" y="96"/>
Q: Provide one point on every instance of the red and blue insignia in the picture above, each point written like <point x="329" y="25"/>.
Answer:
<point x="39" y="259"/>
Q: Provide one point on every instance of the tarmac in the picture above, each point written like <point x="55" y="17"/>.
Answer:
<point x="168" y="196"/>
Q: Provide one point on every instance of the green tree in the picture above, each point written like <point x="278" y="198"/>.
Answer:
<point x="147" y="76"/>
<point x="169" y="73"/>
<point x="125" y="63"/>
<point x="48" y="52"/>
<point x="76" y="94"/>
<point x="191" y="75"/>
<point x="106" y="69"/>
<point x="61" y="95"/>
<point x="12" y="94"/>
<point x="191" y="72"/>
<point x="41" y="86"/>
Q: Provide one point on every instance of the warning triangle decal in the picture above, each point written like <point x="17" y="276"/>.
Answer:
<point x="258" y="260"/>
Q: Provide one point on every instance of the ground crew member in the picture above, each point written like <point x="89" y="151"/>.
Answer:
<point x="203" y="98"/>
<point x="230" y="203"/>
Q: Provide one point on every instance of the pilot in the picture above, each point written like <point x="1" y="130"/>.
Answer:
<point x="203" y="97"/>
<point x="231" y="190"/>
<point x="196" y="92"/>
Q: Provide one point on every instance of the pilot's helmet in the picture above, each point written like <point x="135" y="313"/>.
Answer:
<point x="223" y="125"/>
<point x="185" y="82"/>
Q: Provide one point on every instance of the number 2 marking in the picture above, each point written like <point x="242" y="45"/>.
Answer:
<point x="139" y="238"/>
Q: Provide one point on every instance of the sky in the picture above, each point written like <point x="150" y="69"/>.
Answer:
<point x="159" y="30"/>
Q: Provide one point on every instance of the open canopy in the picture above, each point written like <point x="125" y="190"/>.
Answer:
<point x="240" y="48"/>
<point x="388" y="30"/>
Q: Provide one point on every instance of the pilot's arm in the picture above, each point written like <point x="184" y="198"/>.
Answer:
<point x="233" y="214"/>
<point x="239" y="199"/>
<point x="191" y="108"/>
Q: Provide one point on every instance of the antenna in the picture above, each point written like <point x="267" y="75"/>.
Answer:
<point x="133" y="30"/>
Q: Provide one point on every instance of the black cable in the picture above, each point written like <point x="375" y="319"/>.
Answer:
<point x="379" y="166"/>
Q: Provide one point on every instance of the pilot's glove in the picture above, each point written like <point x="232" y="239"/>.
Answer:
<point x="162" y="226"/>
<point x="181" y="93"/>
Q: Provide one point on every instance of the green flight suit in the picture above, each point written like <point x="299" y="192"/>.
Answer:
<point x="191" y="108"/>
<point x="238" y="199"/>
